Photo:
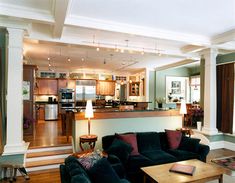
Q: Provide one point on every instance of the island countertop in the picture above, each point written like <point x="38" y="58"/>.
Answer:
<point x="115" y="113"/>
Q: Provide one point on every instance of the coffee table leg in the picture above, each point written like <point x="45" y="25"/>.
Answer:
<point x="221" y="179"/>
<point x="144" y="178"/>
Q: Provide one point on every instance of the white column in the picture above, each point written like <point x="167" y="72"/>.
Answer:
<point x="210" y="92"/>
<point x="14" y="140"/>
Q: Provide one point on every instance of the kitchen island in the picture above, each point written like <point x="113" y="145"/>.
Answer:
<point x="107" y="122"/>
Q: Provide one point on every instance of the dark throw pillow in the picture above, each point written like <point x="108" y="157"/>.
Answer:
<point x="130" y="139"/>
<point x="189" y="144"/>
<point x="173" y="138"/>
<point x="120" y="149"/>
<point x="103" y="172"/>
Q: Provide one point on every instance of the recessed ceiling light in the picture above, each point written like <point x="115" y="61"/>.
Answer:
<point x="97" y="49"/>
<point x="83" y="59"/>
<point x="69" y="60"/>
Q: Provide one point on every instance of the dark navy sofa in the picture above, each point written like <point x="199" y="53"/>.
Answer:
<point x="153" y="150"/>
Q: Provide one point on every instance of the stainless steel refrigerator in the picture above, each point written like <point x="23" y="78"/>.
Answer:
<point x="85" y="90"/>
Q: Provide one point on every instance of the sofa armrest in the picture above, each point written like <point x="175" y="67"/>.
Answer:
<point x="64" y="175"/>
<point x="203" y="151"/>
<point x="117" y="165"/>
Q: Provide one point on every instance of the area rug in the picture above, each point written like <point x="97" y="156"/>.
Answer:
<point x="227" y="162"/>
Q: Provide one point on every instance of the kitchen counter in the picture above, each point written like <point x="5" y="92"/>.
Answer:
<point x="115" y="113"/>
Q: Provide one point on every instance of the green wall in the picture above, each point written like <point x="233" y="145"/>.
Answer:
<point x="161" y="78"/>
<point x="225" y="58"/>
<point x="152" y="87"/>
<point x="3" y="82"/>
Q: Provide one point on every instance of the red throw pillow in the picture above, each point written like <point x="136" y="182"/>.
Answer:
<point x="130" y="139"/>
<point x="174" y="138"/>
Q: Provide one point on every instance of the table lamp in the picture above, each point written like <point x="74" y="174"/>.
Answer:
<point x="89" y="114"/>
<point x="183" y="110"/>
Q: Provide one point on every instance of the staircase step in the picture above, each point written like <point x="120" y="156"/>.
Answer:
<point x="44" y="162"/>
<point x="49" y="153"/>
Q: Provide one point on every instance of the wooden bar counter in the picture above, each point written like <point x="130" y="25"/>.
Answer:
<point x="113" y="114"/>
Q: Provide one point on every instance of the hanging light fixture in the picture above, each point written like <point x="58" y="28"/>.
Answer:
<point x="69" y="60"/>
<point x="142" y="53"/>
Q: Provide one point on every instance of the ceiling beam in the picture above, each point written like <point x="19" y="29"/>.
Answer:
<point x="224" y="37"/>
<point x="177" y="64"/>
<point x="37" y="15"/>
<point x="61" y="8"/>
<point x="79" y="21"/>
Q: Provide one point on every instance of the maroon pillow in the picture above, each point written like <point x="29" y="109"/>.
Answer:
<point x="174" y="138"/>
<point x="130" y="139"/>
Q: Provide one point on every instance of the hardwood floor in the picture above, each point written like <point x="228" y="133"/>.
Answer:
<point x="53" y="175"/>
<point x="47" y="133"/>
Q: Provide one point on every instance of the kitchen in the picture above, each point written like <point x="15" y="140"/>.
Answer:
<point x="73" y="93"/>
<point x="54" y="92"/>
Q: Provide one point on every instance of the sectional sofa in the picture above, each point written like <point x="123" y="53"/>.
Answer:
<point x="153" y="148"/>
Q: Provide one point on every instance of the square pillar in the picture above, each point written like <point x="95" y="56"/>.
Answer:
<point x="210" y="92"/>
<point x="14" y="136"/>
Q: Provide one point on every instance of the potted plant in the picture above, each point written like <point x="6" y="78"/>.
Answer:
<point x="197" y="114"/>
<point x="160" y="101"/>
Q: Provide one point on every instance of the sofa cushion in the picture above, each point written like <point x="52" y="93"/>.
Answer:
<point x="163" y="140"/>
<point x="174" y="138"/>
<point x="135" y="162"/>
<point x="189" y="144"/>
<point x="103" y="172"/>
<point x="81" y="178"/>
<point x="121" y="149"/>
<point x="183" y="155"/>
<point x="130" y="139"/>
<point x="74" y="168"/>
<point x="159" y="157"/>
<point x="148" y="141"/>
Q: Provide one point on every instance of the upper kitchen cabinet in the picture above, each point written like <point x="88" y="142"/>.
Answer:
<point x="47" y="86"/>
<point x="66" y="83"/>
<point x="134" y="89"/>
<point x="105" y="88"/>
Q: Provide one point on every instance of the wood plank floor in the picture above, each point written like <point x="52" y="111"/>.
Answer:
<point x="47" y="133"/>
<point x="53" y="176"/>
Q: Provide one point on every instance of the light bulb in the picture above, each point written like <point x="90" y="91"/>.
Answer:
<point x="97" y="49"/>
<point x="69" y="59"/>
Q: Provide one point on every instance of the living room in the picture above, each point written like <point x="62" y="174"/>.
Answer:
<point x="111" y="41"/>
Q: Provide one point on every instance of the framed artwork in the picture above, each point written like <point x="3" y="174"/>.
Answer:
<point x="177" y="88"/>
<point x="26" y="90"/>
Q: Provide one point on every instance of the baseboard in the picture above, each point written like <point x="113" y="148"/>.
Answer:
<point x="222" y="144"/>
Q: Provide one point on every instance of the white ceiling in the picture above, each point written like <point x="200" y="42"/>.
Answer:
<point x="74" y="28"/>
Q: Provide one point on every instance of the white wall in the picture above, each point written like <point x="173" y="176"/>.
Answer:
<point x="104" y="127"/>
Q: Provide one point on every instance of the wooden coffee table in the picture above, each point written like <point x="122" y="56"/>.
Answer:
<point x="204" y="172"/>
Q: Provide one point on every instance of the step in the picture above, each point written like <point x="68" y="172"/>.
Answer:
<point x="44" y="162"/>
<point x="45" y="158"/>
<point x="49" y="153"/>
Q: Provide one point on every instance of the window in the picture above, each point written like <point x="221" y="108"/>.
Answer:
<point x="195" y="88"/>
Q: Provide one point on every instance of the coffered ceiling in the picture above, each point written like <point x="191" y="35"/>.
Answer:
<point x="167" y="32"/>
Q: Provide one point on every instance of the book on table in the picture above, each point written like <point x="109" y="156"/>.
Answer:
<point x="184" y="169"/>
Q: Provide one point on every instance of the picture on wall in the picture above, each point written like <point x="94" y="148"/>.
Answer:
<point x="176" y="87"/>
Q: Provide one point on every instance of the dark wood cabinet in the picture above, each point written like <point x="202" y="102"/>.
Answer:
<point x="28" y="104"/>
<point x="47" y="86"/>
<point x="134" y="89"/>
<point x="41" y="112"/>
<point x="66" y="83"/>
<point x="106" y="88"/>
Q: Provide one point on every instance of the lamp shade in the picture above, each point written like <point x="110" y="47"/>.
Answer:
<point x="89" y="110"/>
<point x="183" y="109"/>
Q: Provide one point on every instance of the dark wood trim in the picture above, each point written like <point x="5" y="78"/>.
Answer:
<point x="128" y="114"/>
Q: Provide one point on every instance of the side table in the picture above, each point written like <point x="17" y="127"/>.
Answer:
<point x="90" y="139"/>
<point x="185" y="131"/>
